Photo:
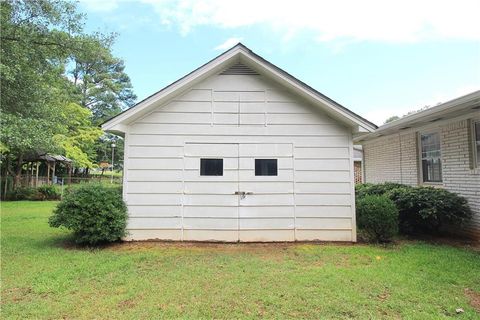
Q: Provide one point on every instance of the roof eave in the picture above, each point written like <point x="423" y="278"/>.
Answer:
<point x="443" y="110"/>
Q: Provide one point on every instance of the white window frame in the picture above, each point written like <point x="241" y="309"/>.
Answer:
<point x="420" y="162"/>
<point x="476" y="156"/>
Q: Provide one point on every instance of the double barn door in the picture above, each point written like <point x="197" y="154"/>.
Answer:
<point x="238" y="192"/>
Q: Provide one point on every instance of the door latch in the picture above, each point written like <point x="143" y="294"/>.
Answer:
<point x="243" y="194"/>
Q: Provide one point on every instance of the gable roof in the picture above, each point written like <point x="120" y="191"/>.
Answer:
<point x="236" y="54"/>
<point x="447" y="110"/>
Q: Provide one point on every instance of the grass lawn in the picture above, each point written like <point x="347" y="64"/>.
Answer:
<point x="45" y="277"/>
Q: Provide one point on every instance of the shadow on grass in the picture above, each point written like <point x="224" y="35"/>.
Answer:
<point x="67" y="242"/>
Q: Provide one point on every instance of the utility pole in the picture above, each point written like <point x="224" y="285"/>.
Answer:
<point x="113" y="153"/>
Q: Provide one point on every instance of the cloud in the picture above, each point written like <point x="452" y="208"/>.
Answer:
<point x="227" y="44"/>
<point x="345" y="20"/>
<point x="101" y="5"/>
<point x="398" y="21"/>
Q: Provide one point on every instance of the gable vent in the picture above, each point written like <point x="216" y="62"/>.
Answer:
<point x="239" y="69"/>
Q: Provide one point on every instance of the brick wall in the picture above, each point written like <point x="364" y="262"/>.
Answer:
<point x="395" y="158"/>
<point x="357" y="168"/>
<point x="458" y="176"/>
<point x="391" y="158"/>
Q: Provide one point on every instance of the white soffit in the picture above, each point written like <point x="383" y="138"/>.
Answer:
<point x="458" y="107"/>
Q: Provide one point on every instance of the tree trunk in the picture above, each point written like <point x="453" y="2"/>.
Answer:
<point x="7" y="166"/>
<point x="69" y="182"/>
<point x="53" y="173"/>
<point x="48" y="172"/>
<point x="18" y="171"/>
<point x="36" y="174"/>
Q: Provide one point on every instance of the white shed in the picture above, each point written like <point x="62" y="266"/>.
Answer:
<point x="239" y="150"/>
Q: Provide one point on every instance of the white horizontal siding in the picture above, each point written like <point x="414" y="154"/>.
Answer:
<point x="153" y="199"/>
<point x="267" y="223"/>
<point x="211" y="200"/>
<point x="322" y="164"/>
<point x="268" y="200"/>
<point x="322" y="199"/>
<point x="246" y="130"/>
<point x="155" y="152"/>
<point x="238" y="121"/>
<point x="206" y="223"/>
<point x="314" y="223"/>
<point x="267" y="187"/>
<point x="321" y="153"/>
<point x="154" y="223"/>
<point x="210" y="187"/>
<point x="184" y="107"/>
<point x="322" y="187"/>
<point x="249" y="176"/>
<point x="147" y="175"/>
<point x="322" y="176"/>
<point x="210" y="211"/>
<point x="324" y="211"/>
<point x="211" y="150"/>
<point x="321" y="142"/>
<point x="147" y="163"/>
<point x="154" y="211"/>
<point x="155" y="187"/>
<point x="267" y="212"/>
<point x="266" y="150"/>
<point x="154" y="234"/>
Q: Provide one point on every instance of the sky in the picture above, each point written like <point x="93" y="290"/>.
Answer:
<point x="377" y="58"/>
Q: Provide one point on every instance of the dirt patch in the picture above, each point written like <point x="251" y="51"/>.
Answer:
<point x="229" y="246"/>
<point x="253" y="247"/>
<point x="474" y="299"/>
<point x="445" y="240"/>
<point x="384" y="295"/>
<point x="16" y="294"/>
<point x="127" y="304"/>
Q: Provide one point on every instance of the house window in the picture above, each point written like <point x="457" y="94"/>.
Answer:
<point x="431" y="157"/>
<point x="266" y="167"/>
<point x="211" y="167"/>
<point x="476" y="143"/>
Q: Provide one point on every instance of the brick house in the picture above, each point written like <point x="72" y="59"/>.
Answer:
<point x="357" y="163"/>
<point x="439" y="146"/>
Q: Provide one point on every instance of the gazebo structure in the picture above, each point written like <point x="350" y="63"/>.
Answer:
<point x="33" y="162"/>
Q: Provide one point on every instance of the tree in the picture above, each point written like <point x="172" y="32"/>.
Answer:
<point x="36" y="38"/>
<point x="43" y="109"/>
<point x="103" y="87"/>
<point x="392" y="118"/>
<point x="79" y="135"/>
<point x="100" y="79"/>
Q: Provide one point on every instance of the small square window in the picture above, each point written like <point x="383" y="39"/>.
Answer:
<point x="266" y="167"/>
<point x="211" y="167"/>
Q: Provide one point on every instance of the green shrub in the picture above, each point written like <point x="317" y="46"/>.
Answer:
<point x="377" y="216"/>
<point x="364" y="189"/>
<point x="421" y="209"/>
<point x="21" y="193"/>
<point x="428" y="209"/>
<point x="48" y="192"/>
<point x="45" y="192"/>
<point x="95" y="213"/>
